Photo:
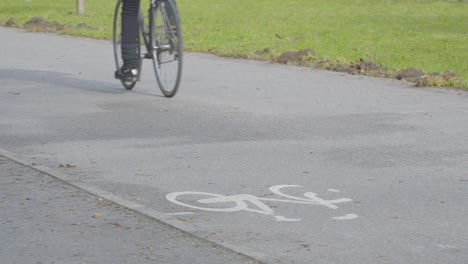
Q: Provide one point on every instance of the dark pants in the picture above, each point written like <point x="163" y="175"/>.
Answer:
<point x="130" y="35"/>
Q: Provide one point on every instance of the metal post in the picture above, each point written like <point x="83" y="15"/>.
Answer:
<point x="80" y="7"/>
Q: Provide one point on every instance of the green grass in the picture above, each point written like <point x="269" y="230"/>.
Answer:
<point x="99" y="13"/>
<point x="428" y="34"/>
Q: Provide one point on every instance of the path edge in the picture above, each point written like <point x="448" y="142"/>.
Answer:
<point x="143" y="210"/>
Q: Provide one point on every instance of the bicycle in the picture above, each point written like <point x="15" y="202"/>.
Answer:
<point x="162" y="38"/>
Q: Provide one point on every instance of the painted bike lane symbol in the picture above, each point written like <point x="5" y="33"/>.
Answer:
<point x="243" y="202"/>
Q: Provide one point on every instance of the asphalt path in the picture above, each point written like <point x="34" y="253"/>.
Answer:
<point x="283" y="164"/>
<point x="44" y="220"/>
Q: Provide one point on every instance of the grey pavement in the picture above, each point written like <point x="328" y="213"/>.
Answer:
<point x="45" y="220"/>
<point x="283" y="164"/>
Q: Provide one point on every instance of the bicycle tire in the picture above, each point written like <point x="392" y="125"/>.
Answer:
<point x="166" y="44"/>
<point x="117" y="42"/>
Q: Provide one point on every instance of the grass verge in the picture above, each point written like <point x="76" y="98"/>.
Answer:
<point x="346" y="35"/>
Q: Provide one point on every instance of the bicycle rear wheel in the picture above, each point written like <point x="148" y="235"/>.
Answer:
<point x="166" y="44"/>
<point x="117" y="43"/>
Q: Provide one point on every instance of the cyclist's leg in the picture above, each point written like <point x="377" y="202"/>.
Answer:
<point x="130" y="38"/>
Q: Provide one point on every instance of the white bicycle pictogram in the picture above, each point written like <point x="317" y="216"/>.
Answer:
<point x="240" y="202"/>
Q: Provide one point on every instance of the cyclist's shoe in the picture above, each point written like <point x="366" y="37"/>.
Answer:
<point x="126" y="74"/>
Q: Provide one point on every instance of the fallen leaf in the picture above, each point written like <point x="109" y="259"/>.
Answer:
<point x="96" y="215"/>
<point x="71" y="166"/>
<point x="61" y="166"/>
<point x="185" y="219"/>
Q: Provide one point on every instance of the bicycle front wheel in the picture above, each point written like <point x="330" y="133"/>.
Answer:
<point x="166" y="44"/>
<point x="117" y="43"/>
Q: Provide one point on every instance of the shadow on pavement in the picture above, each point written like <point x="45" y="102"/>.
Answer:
<point x="65" y="80"/>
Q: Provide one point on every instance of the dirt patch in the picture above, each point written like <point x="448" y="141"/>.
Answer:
<point x="12" y="22"/>
<point x="411" y="74"/>
<point x="359" y="67"/>
<point x="370" y="68"/>
<point x="85" y="26"/>
<point x="307" y="57"/>
<point x="436" y="79"/>
<point x="39" y="24"/>
<point x="263" y="51"/>
<point x="296" y="57"/>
